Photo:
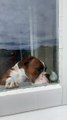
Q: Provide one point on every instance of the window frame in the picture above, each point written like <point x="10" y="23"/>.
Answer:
<point x="22" y="100"/>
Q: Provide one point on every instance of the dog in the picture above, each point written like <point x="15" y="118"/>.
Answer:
<point x="29" y="69"/>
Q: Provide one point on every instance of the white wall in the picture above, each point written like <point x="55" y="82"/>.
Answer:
<point x="56" y="113"/>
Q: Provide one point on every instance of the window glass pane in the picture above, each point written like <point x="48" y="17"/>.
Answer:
<point x="44" y="24"/>
<point x="14" y="30"/>
<point x="28" y="28"/>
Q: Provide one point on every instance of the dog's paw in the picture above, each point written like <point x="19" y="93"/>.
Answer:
<point x="10" y="83"/>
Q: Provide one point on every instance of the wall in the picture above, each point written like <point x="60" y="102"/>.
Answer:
<point x="56" y="113"/>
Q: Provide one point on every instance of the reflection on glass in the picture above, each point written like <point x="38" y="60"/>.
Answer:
<point x="28" y="28"/>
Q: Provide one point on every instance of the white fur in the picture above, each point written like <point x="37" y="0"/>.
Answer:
<point x="16" y="76"/>
<point x="41" y="79"/>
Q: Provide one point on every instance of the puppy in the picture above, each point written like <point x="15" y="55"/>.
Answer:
<point x="29" y="68"/>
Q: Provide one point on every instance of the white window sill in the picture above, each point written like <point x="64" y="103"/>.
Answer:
<point x="22" y="100"/>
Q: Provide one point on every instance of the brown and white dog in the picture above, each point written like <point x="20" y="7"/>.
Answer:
<point x="29" y="68"/>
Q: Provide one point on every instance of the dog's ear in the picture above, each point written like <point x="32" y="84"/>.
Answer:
<point x="25" y="61"/>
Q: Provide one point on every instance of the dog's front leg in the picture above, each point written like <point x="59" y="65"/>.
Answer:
<point x="11" y="83"/>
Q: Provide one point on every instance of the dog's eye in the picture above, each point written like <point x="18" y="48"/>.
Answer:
<point x="40" y="69"/>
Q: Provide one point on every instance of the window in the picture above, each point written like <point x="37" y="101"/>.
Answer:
<point x="31" y="28"/>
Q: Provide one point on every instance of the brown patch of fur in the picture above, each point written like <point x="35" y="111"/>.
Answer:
<point x="30" y="65"/>
<point x="25" y="62"/>
<point x="4" y="76"/>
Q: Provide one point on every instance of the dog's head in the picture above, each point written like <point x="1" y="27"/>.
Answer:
<point x="33" y="67"/>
